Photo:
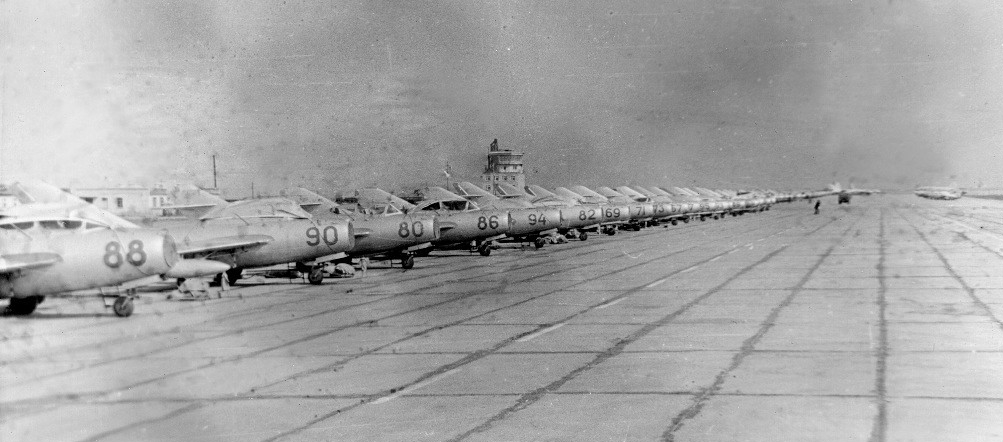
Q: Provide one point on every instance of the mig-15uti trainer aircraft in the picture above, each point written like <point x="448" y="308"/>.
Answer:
<point x="530" y="223"/>
<point x="381" y="232"/>
<point x="55" y="243"/>
<point x="460" y="221"/>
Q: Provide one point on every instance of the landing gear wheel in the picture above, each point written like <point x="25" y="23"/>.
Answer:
<point x="686" y="220"/>
<point x="583" y="236"/>
<point x="674" y="222"/>
<point x="22" y="306"/>
<point x="611" y="231"/>
<point x="316" y="275"/>
<point x="484" y="249"/>
<point x="637" y="227"/>
<point x="123" y="306"/>
<point x="540" y="242"/>
<point x="407" y="262"/>
<point x="234" y="274"/>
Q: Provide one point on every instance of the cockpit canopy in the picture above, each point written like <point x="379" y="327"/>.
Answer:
<point x="50" y="224"/>
<point x="259" y="208"/>
<point x="450" y="205"/>
<point x="380" y="209"/>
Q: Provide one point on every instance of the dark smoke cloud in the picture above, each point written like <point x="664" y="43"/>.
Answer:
<point x="335" y="96"/>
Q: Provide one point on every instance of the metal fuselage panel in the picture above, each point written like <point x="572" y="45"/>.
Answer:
<point x="641" y="211"/>
<point x="530" y="221"/>
<point x="293" y="240"/>
<point x="577" y="217"/>
<point x="88" y="260"/>
<point x="393" y="233"/>
<point x="471" y="225"/>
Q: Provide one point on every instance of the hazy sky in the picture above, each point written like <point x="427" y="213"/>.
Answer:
<point x="337" y="95"/>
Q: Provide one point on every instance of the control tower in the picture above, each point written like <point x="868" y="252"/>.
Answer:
<point x="504" y="166"/>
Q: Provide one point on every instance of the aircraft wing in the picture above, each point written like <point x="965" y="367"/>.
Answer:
<point x="224" y="243"/>
<point x="22" y="261"/>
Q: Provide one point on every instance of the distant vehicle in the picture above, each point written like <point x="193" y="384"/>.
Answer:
<point x="939" y="193"/>
<point x="843" y="198"/>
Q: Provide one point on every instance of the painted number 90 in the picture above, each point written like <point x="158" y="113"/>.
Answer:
<point x="329" y="235"/>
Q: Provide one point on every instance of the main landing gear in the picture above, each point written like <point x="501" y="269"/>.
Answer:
<point x="484" y="248"/>
<point x="315" y="272"/>
<point x="123" y="306"/>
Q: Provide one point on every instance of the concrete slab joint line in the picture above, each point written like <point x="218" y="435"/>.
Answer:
<point x="530" y="398"/>
<point x="700" y="400"/>
<point x="483" y="353"/>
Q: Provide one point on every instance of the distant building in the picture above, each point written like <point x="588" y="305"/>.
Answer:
<point x="126" y="200"/>
<point x="504" y="166"/>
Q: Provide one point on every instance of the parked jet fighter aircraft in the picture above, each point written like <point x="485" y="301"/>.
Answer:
<point x="460" y="221"/>
<point x="616" y="213"/>
<point x="51" y="245"/>
<point x="575" y="221"/>
<point x="641" y="211"/>
<point x="599" y="208"/>
<point x="382" y="231"/>
<point x="668" y="208"/>
<point x="261" y="233"/>
<point x="45" y="255"/>
<point x="530" y="223"/>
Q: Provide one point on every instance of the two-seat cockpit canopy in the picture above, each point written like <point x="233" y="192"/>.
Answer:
<point x="450" y="205"/>
<point x="379" y="209"/>
<point x="260" y="208"/>
<point x="49" y="224"/>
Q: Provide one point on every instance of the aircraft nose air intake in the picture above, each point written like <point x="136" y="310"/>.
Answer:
<point x="171" y="256"/>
